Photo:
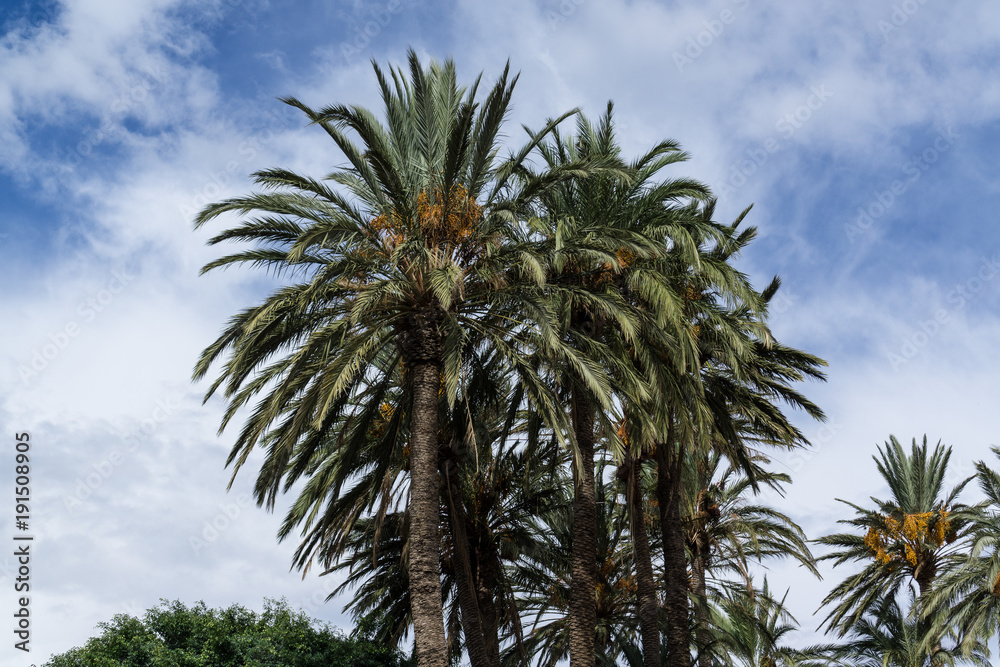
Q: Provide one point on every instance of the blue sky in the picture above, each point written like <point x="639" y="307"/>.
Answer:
<point x="865" y="134"/>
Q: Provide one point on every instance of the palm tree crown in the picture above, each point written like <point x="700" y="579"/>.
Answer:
<point x="909" y="536"/>
<point x="408" y="257"/>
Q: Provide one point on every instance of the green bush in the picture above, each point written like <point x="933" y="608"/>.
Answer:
<point x="173" y="635"/>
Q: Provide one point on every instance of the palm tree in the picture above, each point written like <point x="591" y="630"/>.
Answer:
<point x="412" y="256"/>
<point x="732" y="404"/>
<point x="887" y="636"/>
<point x="968" y="597"/>
<point x="725" y="531"/>
<point x="662" y="274"/>
<point x="607" y="235"/>
<point x="915" y="535"/>
<point x="750" y="628"/>
<point x="677" y="295"/>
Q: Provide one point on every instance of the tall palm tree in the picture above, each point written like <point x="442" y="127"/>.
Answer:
<point x="734" y="404"/>
<point x="606" y="235"/>
<point x="913" y="536"/>
<point x="408" y="256"/>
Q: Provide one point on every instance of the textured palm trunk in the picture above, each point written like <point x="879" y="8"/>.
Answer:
<point x="925" y="575"/>
<point x="699" y="585"/>
<point x="425" y="541"/>
<point x="465" y="577"/>
<point x="489" y="568"/>
<point x="675" y="585"/>
<point x="583" y="572"/>
<point x="646" y="586"/>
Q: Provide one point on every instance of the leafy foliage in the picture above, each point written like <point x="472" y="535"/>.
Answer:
<point x="968" y="597"/>
<point x="173" y="635"/>
<point x="527" y="409"/>
<point x="914" y="535"/>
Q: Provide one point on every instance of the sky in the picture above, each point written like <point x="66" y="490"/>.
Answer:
<point x="865" y="134"/>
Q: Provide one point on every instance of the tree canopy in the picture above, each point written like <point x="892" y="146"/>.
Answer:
<point x="175" y="635"/>
<point x="529" y="399"/>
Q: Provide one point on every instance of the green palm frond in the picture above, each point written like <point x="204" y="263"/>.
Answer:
<point x="918" y="534"/>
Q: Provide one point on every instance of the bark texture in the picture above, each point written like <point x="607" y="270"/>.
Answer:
<point x="925" y="573"/>
<point x="699" y="585"/>
<point x="583" y="573"/>
<point x="647" y="605"/>
<point x="465" y="575"/>
<point x="486" y="589"/>
<point x="425" y="541"/>
<point x="700" y="547"/>
<point x="668" y="492"/>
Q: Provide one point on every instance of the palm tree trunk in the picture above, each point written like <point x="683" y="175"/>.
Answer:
<point x="668" y="493"/>
<point x="489" y="568"/>
<point x="646" y="587"/>
<point x="583" y="573"/>
<point x="472" y="625"/>
<point x="699" y="587"/>
<point x="925" y="579"/>
<point x="425" y="541"/>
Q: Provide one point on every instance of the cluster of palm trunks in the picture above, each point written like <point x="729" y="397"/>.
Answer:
<point x="527" y="399"/>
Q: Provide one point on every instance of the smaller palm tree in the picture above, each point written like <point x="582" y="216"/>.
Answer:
<point x="750" y="628"/>
<point x="888" y="636"/>
<point x="968" y="597"/>
<point x="744" y="377"/>
<point x="725" y="531"/>
<point x="914" y="536"/>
